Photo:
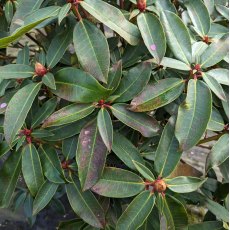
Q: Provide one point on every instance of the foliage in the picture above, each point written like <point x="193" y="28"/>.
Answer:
<point x="100" y="106"/>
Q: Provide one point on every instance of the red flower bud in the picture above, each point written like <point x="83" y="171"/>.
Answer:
<point x="40" y="70"/>
<point x="141" y="5"/>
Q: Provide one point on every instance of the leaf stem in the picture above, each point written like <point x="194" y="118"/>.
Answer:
<point x="213" y="138"/>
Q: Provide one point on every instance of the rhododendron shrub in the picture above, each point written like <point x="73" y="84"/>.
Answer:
<point x="99" y="99"/>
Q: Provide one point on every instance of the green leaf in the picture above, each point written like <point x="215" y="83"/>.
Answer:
<point x="85" y="205"/>
<point x="23" y="56"/>
<point x="175" y="213"/>
<point x="32" y="169"/>
<point x="134" y="82"/>
<point x="18" y="109"/>
<point x="199" y="15"/>
<point x="214" y="86"/>
<point x="155" y="42"/>
<point x="5" y="148"/>
<point x="219" y="153"/>
<point x="92" y="49"/>
<point x="91" y="155"/>
<point x="113" y="18"/>
<point x="41" y="133"/>
<point x="114" y="77"/>
<point x="44" y="196"/>
<point x="168" y="154"/>
<point x="9" y="11"/>
<point x="51" y="164"/>
<point x="223" y="10"/>
<point x="141" y="122"/>
<point x="78" y="86"/>
<point x="49" y="81"/>
<point x="137" y="212"/>
<point x="63" y="12"/>
<point x="214" y="225"/>
<point x="220" y="75"/>
<point x="58" y="46"/>
<point x="157" y="95"/>
<point x="69" y="147"/>
<point x="216" y="122"/>
<point x="69" y="114"/>
<point x="215" y="52"/>
<point x="126" y="151"/>
<point x="165" y="5"/>
<point x="13" y="71"/>
<point x="47" y="108"/>
<point x="71" y="224"/>
<point x="193" y="114"/>
<point x="174" y="64"/>
<point x="177" y="36"/>
<point x="118" y="183"/>
<point x="105" y="127"/>
<point x="144" y="171"/>
<point x="183" y="184"/>
<point x="9" y="174"/>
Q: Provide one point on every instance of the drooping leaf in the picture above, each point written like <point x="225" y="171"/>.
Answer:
<point x="9" y="174"/>
<point x="177" y="36"/>
<point x="193" y="115"/>
<point x="85" y="205"/>
<point x="69" y="114"/>
<point x="214" y="86"/>
<point x="157" y="95"/>
<point x="44" y="195"/>
<point x="14" y="71"/>
<point x="126" y="151"/>
<point x="32" y="169"/>
<point x="91" y="155"/>
<point x="144" y="171"/>
<point x="78" y="86"/>
<point x="219" y="153"/>
<point x="141" y="122"/>
<point x="220" y="75"/>
<point x="155" y="42"/>
<point x="118" y="183"/>
<point x="92" y="49"/>
<point x="105" y="127"/>
<point x="215" y="52"/>
<point x="113" y="18"/>
<point x="168" y="154"/>
<point x="199" y="16"/>
<point x="137" y="212"/>
<point x="18" y="109"/>
<point x="184" y="184"/>
<point x="216" y="122"/>
<point x="175" y="213"/>
<point x="134" y="82"/>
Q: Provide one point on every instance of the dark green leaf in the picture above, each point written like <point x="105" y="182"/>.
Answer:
<point x="69" y="147"/>
<point x="174" y="64"/>
<point x="144" y="171"/>
<point x="214" y="225"/>
<point x="49" y="81"/>
<point x="216" y="122"/>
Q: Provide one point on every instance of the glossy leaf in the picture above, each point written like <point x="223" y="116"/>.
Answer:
<point x="105" y="127"/>
<point x="193" y="115"/>
<point x="92" y="49"/>
<point x="221" y="75"/>
<point x="155" y="42"/>
<point x="18" y="109"/>
<point x="184" y="184"/>
<point x="157" y="95"/>
<point x="113" y="18"/>
<point x="69" y="114"/>
<point x="199" y="16"/>
<point x="216" y="122"/>
<point x="32" y="169"/>
<point x="91" y="155"/>
<point x="14" y="71"/>
<point x="118" y="183"/>
<point x="168" y="154"/>
<point x="44" y="196"/>
<point x="69" y="147"/>
<point x="134" y="82"/>
<point x="219" y="153"/>
<point x="215" y="52"/>
<point x="114" y="77"/>
<point x="143" y="123"/>
<point x="5" y="148"/>
<point x="144" y="171"/>
<point x="63" y="12"/>
<point x="174" y="64"/>
<point x="137" y="211"/>
<point x="49" y="81"/>
<point x="9" y="174"/>
<point x="78" y="86"/>
<point x="85" y="205"/>
<point x="177" y="36"/>
<point x="223" y="10"/>
<point x="126" y="151"/>
<point x="58" y="46"/>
